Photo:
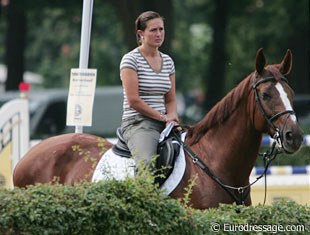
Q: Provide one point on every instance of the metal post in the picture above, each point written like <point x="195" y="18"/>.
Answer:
<point x="85" y="40"/>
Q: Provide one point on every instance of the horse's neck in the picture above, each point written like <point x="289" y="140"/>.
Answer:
<point x="232" y="147"/>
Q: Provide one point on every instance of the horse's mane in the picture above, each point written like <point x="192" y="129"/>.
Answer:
<point x="221" y="111"/>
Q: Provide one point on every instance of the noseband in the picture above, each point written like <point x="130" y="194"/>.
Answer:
<point x="278" y="134"/>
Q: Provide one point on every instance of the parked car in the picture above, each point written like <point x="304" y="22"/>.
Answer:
<point x="48" y="110"/>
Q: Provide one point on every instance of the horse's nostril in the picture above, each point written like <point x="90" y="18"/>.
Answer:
<point x="288" y="136"/>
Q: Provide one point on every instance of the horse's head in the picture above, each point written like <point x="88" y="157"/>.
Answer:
<point x="274" y="99"/>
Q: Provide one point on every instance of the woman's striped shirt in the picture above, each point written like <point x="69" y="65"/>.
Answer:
<point x="152" y="85"/>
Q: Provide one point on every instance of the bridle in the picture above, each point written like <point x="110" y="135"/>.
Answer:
<point x="268" y="156"/>
<point x="277" y="133"/>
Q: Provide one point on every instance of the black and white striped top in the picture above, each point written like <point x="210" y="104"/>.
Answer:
<point x="152" y="85"/>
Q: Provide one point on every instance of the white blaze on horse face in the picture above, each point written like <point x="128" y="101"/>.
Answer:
<point x="285" y="100"/>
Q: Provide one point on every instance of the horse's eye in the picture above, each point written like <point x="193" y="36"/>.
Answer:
<point x="266" y="96"/>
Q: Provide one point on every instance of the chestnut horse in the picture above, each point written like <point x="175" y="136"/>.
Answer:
<point x="221" y="149"/>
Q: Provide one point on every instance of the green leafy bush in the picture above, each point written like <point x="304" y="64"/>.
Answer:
<point x="133" y="206"/>
<point x="111" y="207"/>
<point x="284" y="217"/>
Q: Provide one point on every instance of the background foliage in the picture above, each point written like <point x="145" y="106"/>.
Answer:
<point x="52" y="38"/>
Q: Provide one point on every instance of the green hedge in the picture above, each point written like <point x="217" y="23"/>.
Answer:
<point x="132" y="207"/>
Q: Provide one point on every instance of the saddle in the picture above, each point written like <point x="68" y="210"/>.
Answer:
<point x="168" y="150"/>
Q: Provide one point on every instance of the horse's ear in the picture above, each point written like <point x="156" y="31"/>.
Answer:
<point x="286" y="64"/>
<point x="260" y="61"/>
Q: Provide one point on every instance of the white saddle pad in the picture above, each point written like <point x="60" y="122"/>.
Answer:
<point x="112" y="166"/>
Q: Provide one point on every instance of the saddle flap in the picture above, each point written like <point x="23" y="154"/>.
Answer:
<point x="168" y="150"/>
<point x="121" y="148"/>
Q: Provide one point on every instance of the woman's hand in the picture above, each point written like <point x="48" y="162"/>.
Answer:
<point x="172" y="117"/>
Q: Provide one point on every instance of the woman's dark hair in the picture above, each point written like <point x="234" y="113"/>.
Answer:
<point x="141" y="22"/>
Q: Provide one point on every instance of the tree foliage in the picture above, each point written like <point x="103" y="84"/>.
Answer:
<point x="203" y="59"/>
<point x="272" y="25"/>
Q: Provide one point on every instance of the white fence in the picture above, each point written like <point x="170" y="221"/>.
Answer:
<point x="283" y="183"/>
<point x="14" y="137"/>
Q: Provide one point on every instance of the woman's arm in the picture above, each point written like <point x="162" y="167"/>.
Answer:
<point x="171" y="102"/>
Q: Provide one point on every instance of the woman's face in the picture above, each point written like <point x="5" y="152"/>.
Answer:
<point x="154" y="34"/>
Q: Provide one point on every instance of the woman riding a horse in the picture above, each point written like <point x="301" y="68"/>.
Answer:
<point x="221" y="149"/>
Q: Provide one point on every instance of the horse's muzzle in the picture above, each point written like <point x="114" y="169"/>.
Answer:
<point x="292" y="139"/>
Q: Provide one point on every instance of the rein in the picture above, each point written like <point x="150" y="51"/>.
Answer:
<point x="243" y="192"/>
<point x="268" y="156"/>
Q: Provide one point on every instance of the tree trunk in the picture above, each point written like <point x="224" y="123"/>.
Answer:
<point x="300" y="70"/>
<point x="15" y="44"/>
<point x="216" y="71"/>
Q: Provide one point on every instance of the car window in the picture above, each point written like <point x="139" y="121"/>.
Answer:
<point x="53" y="120"/>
